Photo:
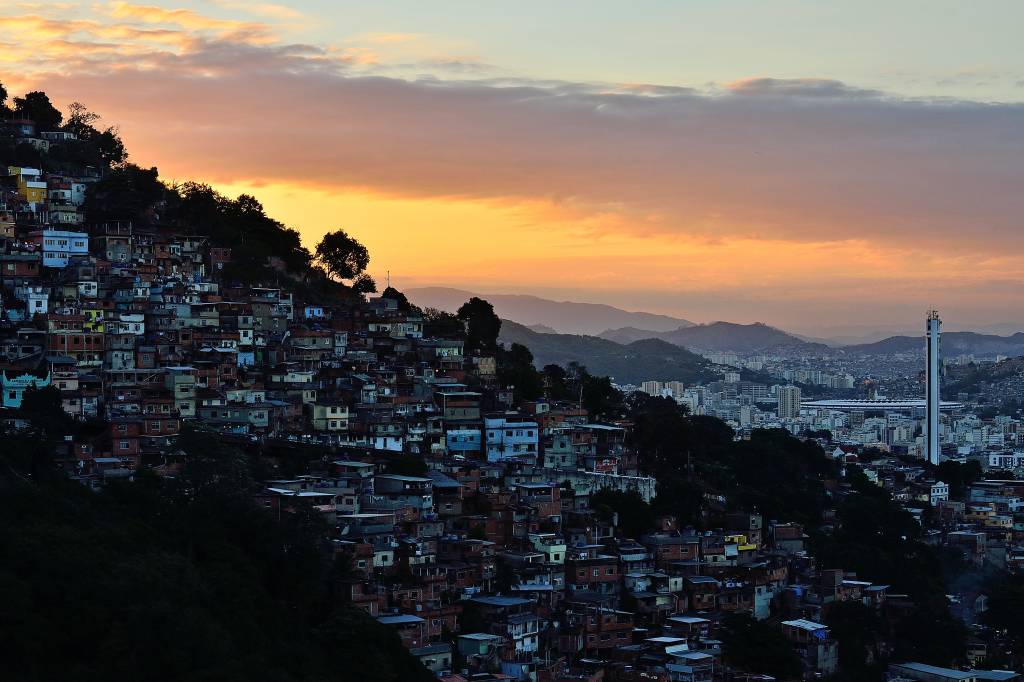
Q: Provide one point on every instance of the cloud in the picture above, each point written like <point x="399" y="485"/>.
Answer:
<point x="265" y="9"/>
<point x="799" y="159"/>
<point x="705" y="164"/>
<point x="391" y="38"/>
<point x="708" y="164"/>
<point x="804" y="162"/>
<point x="797" y="87"/>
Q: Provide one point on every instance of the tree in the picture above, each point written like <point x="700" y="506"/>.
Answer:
<point x="959" y="476"/>
<point x="37" y="106"/>
<point x="400" y="299"/>
<point x="441" y="324"/>
<point x="110" y="148"/>
<point x="125" y="193"/>
<point x="856" y="627"/>
<point x="556" y="385"/>
<point x="241" y="594"/>
<point x="635" y="517"/>
<point x="364" y="284"/>
<point x="210" y="466"/>
<point x="80" y="121"/>
<point x="756" y="647"/>
<point x="515" y="368"/>
<point x="43" y="408"/>
<point x="483" y="325"/>
<point x="599" y="396"/>
<point x="4" y="109"/>
<point x="342" y="256"/>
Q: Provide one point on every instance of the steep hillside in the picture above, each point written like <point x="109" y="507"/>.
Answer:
<point x="1004" y="379"/>
<point x="566" y="317"/>
<point x="626" y="363"/>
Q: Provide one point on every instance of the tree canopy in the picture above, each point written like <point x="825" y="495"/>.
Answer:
<point x="36" y="105"/>
<point x="344" y="257"/>
<point x="176" y="579"/>
<point x="483" y="325"/>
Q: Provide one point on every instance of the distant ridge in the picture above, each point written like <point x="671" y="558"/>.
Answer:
<point x="626" y="363"/>
<point x="953" y="343"/>
<point x="719" y="336"/>
<point x="566" y="317"/>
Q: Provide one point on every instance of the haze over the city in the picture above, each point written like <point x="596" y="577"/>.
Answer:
<point x="809" y="165"/>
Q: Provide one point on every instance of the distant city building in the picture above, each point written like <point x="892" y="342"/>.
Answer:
<point x="931" y="430"/>
<point x="789" y="402"/>
<point x="652" y="387"/>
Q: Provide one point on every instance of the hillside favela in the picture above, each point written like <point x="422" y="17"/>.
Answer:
<point x="428" y="360"/>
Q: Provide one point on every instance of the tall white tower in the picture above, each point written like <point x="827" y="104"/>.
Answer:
<point x="931" y="427"/>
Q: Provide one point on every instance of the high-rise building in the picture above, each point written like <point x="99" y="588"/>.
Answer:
<point x="652" y="387"/>
<point x="676" y="387"/>
<point x="789" y="402"/>
<point x="933" y="327"/>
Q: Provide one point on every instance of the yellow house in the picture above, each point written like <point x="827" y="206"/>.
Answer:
<point x="93" y="320"/>
<point x="31" y="186"/>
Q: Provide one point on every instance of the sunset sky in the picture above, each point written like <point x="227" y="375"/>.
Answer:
<point x="805" y="164"/>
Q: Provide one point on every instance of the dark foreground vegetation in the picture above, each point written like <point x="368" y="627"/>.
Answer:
<point x="173" y="579"/>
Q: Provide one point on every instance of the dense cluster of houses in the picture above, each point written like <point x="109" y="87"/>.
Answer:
<point x="987" y="523"/>
<point x="490" y="562"/>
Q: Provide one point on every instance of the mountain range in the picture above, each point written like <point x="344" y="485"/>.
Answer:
<point x="720" y="336"/>
<point x="590" y="323"/>
<point x="626" y="363"/>
<point x="566" y="317"/>
<point x="953" y="343"/>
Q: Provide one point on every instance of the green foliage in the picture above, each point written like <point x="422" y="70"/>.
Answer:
<point x="483" y="326"/>
<point x="600" y="398"/>
<point x="128" y="193"/>
<point x="597" y="395"/>
<point x="556" y="385"/>
<point x="671" y="442"/>
<point x="773" y="473"/>
<point x="515" y="368"/>
<point x="394" y="294"/>
<point x="635" y="516"/>
<point x="930" y="634"/>
<point x="42" y="408"/>
<point x="856" y="627"/>
<point x="756" y="647"/>
<point x="680" y="497"/>
<point x="1005" y="604"/>
<point x="958" y="476"/>
<point x="36" y="105"/>
<point x="439" y="324"/>
<point x="162" y="579"/>
<point x="341" y="255"/>
<point x="106" y="145"/>
<point x="780" y="476"/>
<point x="882" y="543"/>
<point x="407" y="465"/>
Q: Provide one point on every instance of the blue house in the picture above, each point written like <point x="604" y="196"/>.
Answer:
<point x="13" y="388"/>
